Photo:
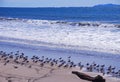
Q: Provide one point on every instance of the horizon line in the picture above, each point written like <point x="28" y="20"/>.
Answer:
<point x="53" y="6"/>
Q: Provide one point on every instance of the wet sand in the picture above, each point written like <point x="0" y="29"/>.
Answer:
<point x="34" y="72"/>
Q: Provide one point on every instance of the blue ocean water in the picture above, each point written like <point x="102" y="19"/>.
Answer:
<point x="104" y="14"/>
<point x="68" y="22"/>
<point x="87" y="40"/>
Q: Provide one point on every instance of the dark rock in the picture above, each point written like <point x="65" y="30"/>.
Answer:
<point x="98" y="79"/>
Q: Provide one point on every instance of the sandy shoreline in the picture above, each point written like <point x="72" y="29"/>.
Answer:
<point x="15" y="70"/>
<point x="37" y="74"/>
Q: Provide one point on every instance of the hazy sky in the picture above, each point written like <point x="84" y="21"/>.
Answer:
<point x="54" y="3"/>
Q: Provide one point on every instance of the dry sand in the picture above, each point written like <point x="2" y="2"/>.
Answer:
<point x="22" y="73"/>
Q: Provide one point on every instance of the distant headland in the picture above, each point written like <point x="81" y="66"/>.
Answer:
<point x="107" y="5"/>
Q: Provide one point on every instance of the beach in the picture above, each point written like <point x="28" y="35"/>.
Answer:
<point x="37" y="74"/>
<point x="56" y="44"/>
<point x="19" y="69"/>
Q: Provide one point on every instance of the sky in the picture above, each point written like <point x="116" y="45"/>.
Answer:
<point x="54" y="3"/>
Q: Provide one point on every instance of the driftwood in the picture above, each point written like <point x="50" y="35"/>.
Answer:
<point x="89" y="78"/>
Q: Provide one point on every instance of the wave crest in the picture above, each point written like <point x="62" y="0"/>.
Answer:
<point x="82" y="23"/>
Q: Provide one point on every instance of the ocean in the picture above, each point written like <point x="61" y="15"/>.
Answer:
<point x="88" y="34"/>
<point x="65" y="13"/>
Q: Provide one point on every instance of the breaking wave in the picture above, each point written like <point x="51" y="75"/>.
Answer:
<point x="93" y="36"/>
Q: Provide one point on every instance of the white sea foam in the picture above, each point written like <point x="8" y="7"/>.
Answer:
<point x="81" y="36"/>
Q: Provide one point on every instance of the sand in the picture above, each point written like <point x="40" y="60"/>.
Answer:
<point x="13" y="72"/>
